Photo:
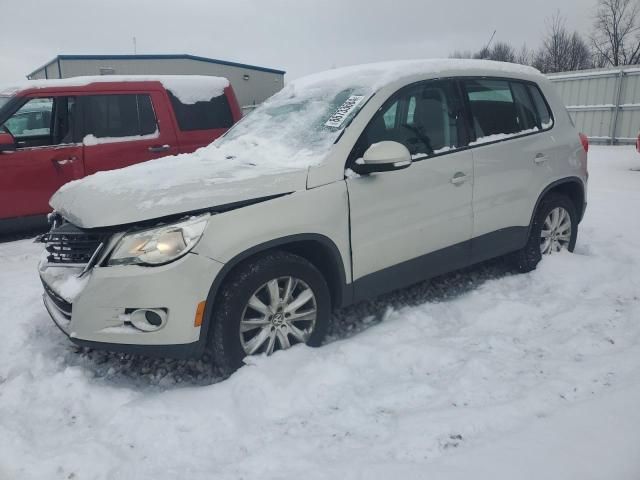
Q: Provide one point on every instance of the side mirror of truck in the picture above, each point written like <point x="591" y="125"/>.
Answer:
<point x="7" y="143"/>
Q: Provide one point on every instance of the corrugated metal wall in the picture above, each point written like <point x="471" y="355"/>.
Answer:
<point x="605" y="104"/>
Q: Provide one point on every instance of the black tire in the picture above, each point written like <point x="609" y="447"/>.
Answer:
<point x="227" y="350"/>
<point x="528" y="258"/>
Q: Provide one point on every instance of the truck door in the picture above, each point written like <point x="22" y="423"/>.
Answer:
<point x="47" y="155"/>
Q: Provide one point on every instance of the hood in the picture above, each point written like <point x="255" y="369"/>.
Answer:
<point x="170" y="186"/>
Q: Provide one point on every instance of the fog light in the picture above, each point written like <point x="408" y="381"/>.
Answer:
<point x="148" y="319"/>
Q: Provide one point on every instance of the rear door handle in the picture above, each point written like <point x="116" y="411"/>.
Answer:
<point x="540" y="158"/>
<point x="159" y="148"/>
<point x="458" y="179"/>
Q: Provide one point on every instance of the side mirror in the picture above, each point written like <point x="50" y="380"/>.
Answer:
<point x="7" y="142"/>
<point x="383" y="157"/>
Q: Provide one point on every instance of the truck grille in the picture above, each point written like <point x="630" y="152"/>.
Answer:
<point x="70" y="245"/>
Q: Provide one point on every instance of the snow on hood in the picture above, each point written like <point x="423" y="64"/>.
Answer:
<point x="91" y="204"/>
<point x="188" y="89"/>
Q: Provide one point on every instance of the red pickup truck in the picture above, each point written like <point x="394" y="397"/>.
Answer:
<point x="55" y="131"/>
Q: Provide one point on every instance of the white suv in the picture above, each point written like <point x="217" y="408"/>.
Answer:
<point x="344" y="185"/>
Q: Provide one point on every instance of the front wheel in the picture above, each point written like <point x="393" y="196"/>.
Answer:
<point x="269" y="303"/>
<point x="554" y="228"/>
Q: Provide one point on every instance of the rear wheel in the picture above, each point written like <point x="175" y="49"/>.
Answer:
<point x="554" y="228"/>
<point x="269" y="303"/>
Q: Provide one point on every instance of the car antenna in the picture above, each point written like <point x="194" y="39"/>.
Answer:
<point x="485" y="50"/>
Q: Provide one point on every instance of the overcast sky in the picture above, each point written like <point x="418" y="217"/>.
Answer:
<point x="300" y="37"/>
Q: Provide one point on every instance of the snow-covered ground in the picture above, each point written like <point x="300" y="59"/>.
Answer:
<point x="482" y="374"/>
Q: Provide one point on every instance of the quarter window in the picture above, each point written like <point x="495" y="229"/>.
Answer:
<point x="118" y="116"/>
<point x="390" y="116"/>
<point x="425" y="118"/>
<point x="542" y="109"/>
<point x="208" y="115"/>
<point x="524" y="107"/>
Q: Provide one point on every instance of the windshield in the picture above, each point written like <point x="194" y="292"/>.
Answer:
<point x="296" y="127"/>
<point x="3" y="100"/>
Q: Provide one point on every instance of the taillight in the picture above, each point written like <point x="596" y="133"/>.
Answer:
<point x="585" y="142"/>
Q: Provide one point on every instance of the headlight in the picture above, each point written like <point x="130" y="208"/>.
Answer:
<point x="159" y="245"/>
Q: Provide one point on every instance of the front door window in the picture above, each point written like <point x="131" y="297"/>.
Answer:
<point x="42" y="122"/>
<point x="426" y="118"/>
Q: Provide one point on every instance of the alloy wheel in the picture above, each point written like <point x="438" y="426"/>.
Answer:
<point x="281" y="313"/>
<point x="556" y="231"/>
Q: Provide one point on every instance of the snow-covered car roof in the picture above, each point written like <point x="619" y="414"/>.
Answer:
<point x="188" y="88"/>
<point x="377" y="75"/>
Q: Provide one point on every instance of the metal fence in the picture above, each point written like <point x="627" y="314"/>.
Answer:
<point x="605" y="104"/>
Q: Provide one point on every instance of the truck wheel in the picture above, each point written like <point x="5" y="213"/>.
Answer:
<point x="554" y="228"/>
<point x="269" y="303"/>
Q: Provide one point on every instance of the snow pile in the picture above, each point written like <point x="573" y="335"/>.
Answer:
<point x="479" y="374"/>
<point x="188" y="89"/>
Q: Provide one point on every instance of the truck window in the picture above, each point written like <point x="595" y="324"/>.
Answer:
<point x="32" y="120"/>
<point x="119" y="116"/>
<point x="42" y="122"/>
<point x="209" y="115"/>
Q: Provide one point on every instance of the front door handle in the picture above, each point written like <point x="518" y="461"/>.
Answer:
<point x="63" y="161"/>
<point x="540" y="158"/>
<point x="159" y="148"/>
<point x="458" y="179"/>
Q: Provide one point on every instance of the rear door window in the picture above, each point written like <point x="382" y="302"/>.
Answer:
<point x="505" y="108"/>
<point x="493" y="109"/>
<point x="119" y="116"/>
<point x="207" y="115"/>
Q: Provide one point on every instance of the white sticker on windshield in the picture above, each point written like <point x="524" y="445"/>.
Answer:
<point x="344" y="110"/>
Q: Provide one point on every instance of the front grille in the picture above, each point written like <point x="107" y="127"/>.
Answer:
<point x="70" y="245"/>
<point x="64" y="306"/>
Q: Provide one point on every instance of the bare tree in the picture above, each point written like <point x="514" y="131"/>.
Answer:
<point x="561" y="50"/>
<point x="501" y="52"/>
<point x="524" y="56"/>
<point x="580" y="55"/>
<point x="461" y="54"/>
<point x="616" y="35"/>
